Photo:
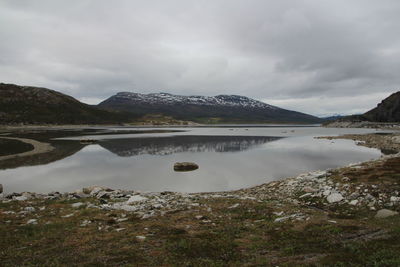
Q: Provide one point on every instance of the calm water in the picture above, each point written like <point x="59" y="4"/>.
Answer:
<point x="229" y="158"/>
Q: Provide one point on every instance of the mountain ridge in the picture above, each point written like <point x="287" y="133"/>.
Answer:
<point x="38" y="105"/>
<point x="208" y="109"/>
<point x="387" y="111"/>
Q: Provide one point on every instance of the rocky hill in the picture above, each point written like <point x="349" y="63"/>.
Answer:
<point x="386" y="111"/>
<point x="35" y="105"/>
<point x="385" y="115"/>
<point x="204" y="109"/>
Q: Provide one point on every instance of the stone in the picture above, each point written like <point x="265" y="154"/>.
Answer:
<point x="334" y="197"/>
<point x="282" y="219"/>
<point x="185" y="166"/>
<point x="77" y="204"/>
<point x="140" y="237"/>
<point x="136" y="198"/>
<point x="29" y="209"/>
<point x="93" y="190"/>
<point x="353" y="202"/>
<point x="234" y="206"/>
<point x="32" y="221"/>
<point x="103" y="194"/>
<point x="384" y="213"/>
<point x="326" y="192"/>
<point x="20" y="198"/>
<point x="305" y="195"/>
<point x="85" y="223"/>
<point x="395" y="199"/>
<point x="309" y="189"/>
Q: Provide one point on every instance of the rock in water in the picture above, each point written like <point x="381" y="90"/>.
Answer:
<point x="383" y="213"/>
<point x="185" y="166"/>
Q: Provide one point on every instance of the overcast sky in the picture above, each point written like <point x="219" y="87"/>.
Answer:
<point x="318" y="56"/>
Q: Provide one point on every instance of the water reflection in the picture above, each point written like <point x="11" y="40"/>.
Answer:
<point x="62" y="149"/>
<point x="179" y="144"/>
<point x="146" y="164"/>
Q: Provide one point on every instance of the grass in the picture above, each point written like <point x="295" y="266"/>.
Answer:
<point x="224" y="236"/>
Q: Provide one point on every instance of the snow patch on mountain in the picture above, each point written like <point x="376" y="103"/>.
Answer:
<point x="170" y="99"/>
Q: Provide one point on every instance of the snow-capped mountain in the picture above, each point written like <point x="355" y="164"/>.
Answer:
<point x="205" y="109"/>
<point x="170" y="99"/>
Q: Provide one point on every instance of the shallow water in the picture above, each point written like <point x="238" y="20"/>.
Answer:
<point x="229" y="158"/>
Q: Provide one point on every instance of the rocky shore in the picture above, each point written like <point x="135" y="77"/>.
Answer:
<point x="363" y="124"/>
<point x="273" y="223"/>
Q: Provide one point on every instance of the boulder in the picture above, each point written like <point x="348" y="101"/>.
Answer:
<point x="136" y="198"/>
<point x="383" y="213"/>
<point x="185" y="166"/>
<point x="335" y="197"/>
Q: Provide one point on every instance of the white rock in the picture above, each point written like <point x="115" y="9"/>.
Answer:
<point x="234" y="206"/>
<point x="77" y="204"/>
<point x="305" y="195"/>
<point x="29" y="209"/>
<point x="326" y="192"/>
<point x="281" y="219"/>
<point x="335" y="197"/>
<point x="394" y="199"/>
<point x="68" y="215"/>
<point x="85" y="223"/>
<point x="125" y="207"/>
<point x="92" y="190"/>
<point x="353" y="202"/>
<point x="136" y="198"/>
<point x="20" y="198"/>
<point x="140" y="237"/>
<point x="383" y="213"/>
<point x="32" y="221"/>
<point x="9" y="212"/>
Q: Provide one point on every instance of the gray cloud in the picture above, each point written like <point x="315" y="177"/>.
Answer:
<point x="316" y="56"/>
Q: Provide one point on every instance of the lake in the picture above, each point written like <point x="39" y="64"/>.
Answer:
<point x="229" y="157"/>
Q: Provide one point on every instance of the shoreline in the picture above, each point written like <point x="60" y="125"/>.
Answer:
<point x="38" y="148"/>
<point x="390" y="142"/>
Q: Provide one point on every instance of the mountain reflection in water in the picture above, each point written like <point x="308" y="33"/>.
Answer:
<point x="178" y="144"/>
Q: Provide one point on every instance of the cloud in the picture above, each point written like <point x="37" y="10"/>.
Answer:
<point x="289" y="52"/>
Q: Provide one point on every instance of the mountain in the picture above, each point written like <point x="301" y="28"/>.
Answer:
<point x="35" y="105"/>
<point x="332" y="118"/>
<point x="204" y="109"/>
<point x="386" y="111"/>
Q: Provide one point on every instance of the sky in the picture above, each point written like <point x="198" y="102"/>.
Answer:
<point x="315" y="56"/>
